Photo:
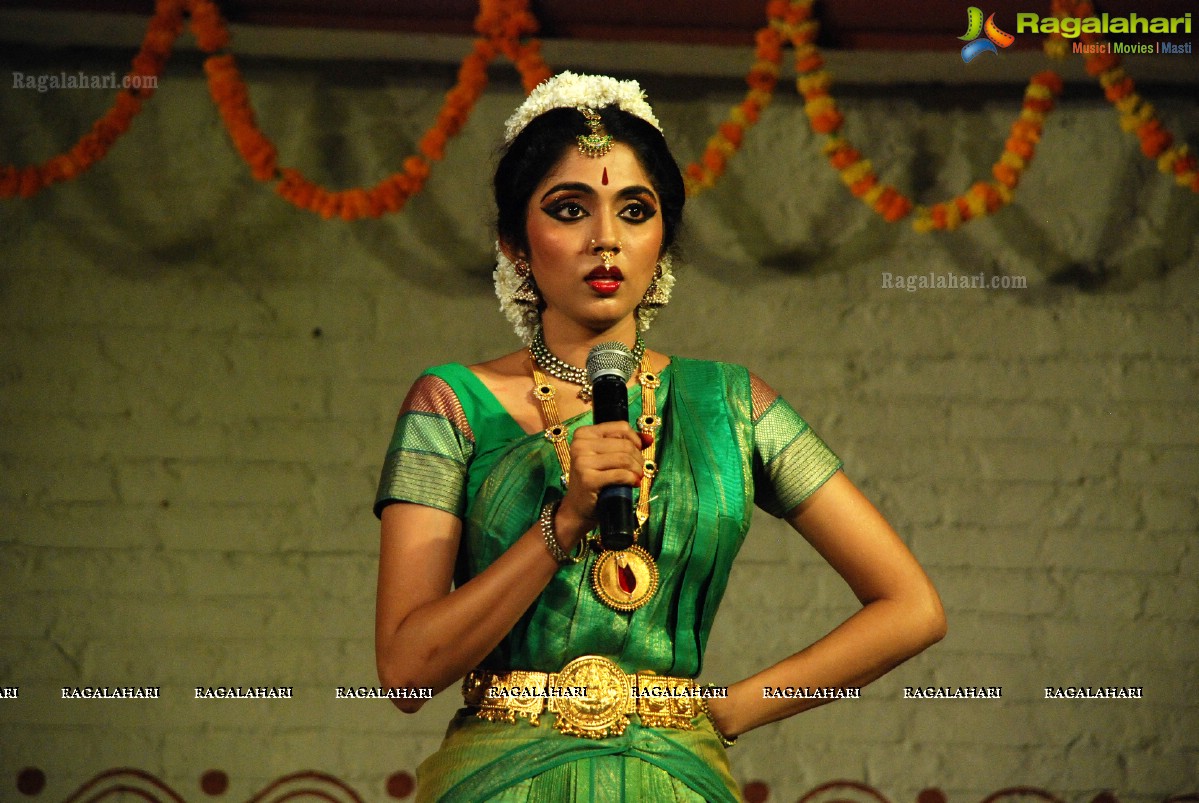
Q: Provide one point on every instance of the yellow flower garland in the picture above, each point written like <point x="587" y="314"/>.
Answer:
<point x="792" y="20"/>
<point x="502" y="26"/>
<point x="1137" y="116"/>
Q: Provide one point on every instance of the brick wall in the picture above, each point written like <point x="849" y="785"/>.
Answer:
<point x="197" y="383"/>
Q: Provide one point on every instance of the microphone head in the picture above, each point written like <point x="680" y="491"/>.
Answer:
<point x="610" y="359"/>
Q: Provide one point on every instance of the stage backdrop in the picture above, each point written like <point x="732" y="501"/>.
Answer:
<point x="198" y="382"/>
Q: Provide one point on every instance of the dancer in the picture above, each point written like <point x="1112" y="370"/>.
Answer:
<point x="579" y="663"/>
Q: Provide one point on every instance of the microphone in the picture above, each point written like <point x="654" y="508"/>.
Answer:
<point x="609" y="366"/>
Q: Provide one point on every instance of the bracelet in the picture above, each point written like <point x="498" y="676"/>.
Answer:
<point x="551" y="541"/>
<point x="724" y="740"/>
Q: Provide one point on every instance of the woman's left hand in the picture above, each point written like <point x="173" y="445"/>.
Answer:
<point x="901" y="613"/>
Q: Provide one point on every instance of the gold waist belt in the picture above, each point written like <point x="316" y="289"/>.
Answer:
<point x="591" y="697"/>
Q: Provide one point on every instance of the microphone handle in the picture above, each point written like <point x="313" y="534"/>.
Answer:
<point x="610" y="402"/>
<point x="615" y="512"/>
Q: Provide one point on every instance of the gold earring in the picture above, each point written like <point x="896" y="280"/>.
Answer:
<point x="527" y="292"/>
<point x="655" y="294"/>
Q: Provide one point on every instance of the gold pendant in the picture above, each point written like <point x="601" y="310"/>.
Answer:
<point x="625" y="580"/>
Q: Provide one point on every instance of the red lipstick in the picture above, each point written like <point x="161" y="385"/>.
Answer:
<point x="605" y="280"/>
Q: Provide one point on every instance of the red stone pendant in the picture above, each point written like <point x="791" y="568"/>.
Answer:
<point x="624" y="580"/>
<point x="628" y="580"/>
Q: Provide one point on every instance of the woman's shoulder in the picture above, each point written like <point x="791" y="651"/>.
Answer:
<point x="737" y="380"/>
<point x="460" y="376"/>
<point x="448" y="372"/>
<point x="490" y="392"/>
<point x="506" y="378"/>
<point x="502" y="369"/>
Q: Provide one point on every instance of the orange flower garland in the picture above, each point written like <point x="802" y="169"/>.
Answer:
<point x="791" y="21"/>
<point x="164" y="28"/>
<point x="502" y="24"/>
<point x="1137" y="115"/>
<point x="762" y="77"/>
<point x="987" y="197"/>
<point x="857" y="173"/>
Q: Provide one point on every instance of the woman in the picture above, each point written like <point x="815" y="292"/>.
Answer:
<point x="579" y="661"/>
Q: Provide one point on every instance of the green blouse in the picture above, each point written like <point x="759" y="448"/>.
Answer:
<point x="727" y="441"/>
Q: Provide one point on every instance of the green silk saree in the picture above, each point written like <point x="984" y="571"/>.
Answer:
<point x="726" y="442"/>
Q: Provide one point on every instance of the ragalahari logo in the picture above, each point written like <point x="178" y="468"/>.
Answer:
<point x="974" y="27"/>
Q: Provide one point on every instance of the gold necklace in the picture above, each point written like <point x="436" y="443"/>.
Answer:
<point x="625" y="579"/>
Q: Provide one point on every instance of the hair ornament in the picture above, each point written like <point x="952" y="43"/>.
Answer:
<point x="597" y="141"/>
<point x="570" y="90"/>
<point x="509" y="289"/>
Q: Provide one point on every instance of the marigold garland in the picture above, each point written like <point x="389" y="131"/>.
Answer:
<point x="762" y="77"/>
<point x="500" y="24"/>
<point x="791" y="20"/>
<point x="503" y="26"/>
<point x="161" y="32"/>
<point x="1137" y="116"/>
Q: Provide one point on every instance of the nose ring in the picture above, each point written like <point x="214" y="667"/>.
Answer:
<point x="606" y="254"/>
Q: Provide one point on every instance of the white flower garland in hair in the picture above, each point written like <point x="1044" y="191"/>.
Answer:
<point x="572" y="91"/>
<point x="527" y="320"/>
<point x="524" y="317"/>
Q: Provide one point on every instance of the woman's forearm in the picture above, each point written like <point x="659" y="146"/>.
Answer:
<point x="864" y="647"/>
<point x="428" y="638"/>
<point x="438" y="642"/>
<point x="901" y="613"/>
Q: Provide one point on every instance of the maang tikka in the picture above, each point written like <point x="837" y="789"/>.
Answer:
<point x="597" y="141"/>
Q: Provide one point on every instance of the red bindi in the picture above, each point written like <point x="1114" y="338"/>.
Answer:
<point x="604" y="180"/>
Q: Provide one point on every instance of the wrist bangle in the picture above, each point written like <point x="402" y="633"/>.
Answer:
<point x="724" y="740"/>
<point x="551" y="540"/>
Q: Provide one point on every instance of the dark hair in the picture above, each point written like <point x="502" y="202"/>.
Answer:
<point x="542" y="143"/>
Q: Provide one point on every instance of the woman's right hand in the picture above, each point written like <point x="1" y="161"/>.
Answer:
<point x="600" y="455"/>
<point x="428" y="636"/>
